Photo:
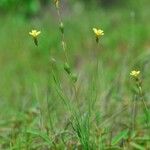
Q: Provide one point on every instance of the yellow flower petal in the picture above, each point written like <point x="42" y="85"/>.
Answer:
<point x="135" y="73"/>
<point x="34" y="33"/>
<point x="98" y="32"/>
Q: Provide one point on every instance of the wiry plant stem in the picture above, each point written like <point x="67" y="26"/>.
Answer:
<point x="141" y="95"/>
<point x="61" y="26"/>
<point x="134" y="112"/>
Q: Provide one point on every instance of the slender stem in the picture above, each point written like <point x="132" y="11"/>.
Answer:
<point x="95" y="75"/>
<point x="75" y="92"/>
<point x="114" y="115"/>
<point x="146" y="111"/>
<point x="63" y="36"/>
<point x="49" y="112"/>
<point x="141" y="95"/>
<point x="134" y="108"/>
<point x="97" y="60"/>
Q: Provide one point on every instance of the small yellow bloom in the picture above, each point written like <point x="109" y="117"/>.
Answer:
<point x="98" y="32"/>
<point x="34" y="33"/>
<point x="135" y="73"/>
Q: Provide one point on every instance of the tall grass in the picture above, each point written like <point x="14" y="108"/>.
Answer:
<point x="85" y="100"/>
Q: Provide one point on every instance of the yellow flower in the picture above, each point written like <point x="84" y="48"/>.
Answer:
<point x="98" y="32"/>
<point x="34" y="33"/>
<point x="135" y="73"/>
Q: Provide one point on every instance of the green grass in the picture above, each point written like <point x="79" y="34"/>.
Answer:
<point x="41" y="108"/>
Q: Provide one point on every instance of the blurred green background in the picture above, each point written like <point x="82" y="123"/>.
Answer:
<point x="23" y="66"/>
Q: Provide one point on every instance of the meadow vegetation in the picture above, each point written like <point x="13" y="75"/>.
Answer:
<point x="67" y="86"/>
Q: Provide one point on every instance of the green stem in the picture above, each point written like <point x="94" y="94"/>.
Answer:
<point x="141" y="94"/>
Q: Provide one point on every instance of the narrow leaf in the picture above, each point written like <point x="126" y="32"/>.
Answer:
<point x="119" y="137"/>
<point x="137" y="146"/>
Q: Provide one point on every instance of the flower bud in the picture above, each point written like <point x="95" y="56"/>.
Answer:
<point x="74" y="77"/>
<point x="61" y="27"/>
<point x="56" y="3"/>
<point x="67" y="68"/>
